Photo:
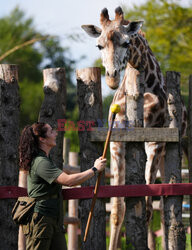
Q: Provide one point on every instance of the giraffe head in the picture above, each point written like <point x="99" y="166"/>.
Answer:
<point x="113" y="41"/>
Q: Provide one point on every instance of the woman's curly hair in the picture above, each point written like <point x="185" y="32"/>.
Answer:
<point x="29" y="143"/>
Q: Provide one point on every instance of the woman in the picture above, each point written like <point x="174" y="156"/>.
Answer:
<point x="44" y="183"/>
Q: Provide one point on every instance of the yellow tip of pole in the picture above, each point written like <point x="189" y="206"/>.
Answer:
<point x="115" y="108"/>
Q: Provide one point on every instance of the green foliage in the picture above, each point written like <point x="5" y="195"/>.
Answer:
<point x="74" y="140"/>
<point x="106" y="105"/>
<point x="72" y="134"/>
<point x="156" y="221"/>
<point x="188" y="241"/>
<point x="31" y="100"/>
<point x="168" y="28"/>
<point x="17" y="29"/>
<point x="98" y="63"/>
<point x="158" y="242"/>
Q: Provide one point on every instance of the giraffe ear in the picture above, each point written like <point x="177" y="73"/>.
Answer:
<point x="134" y="27"/>
<point x="92" y="30"/>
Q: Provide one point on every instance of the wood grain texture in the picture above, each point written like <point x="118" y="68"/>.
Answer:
<point x="135" y="160"/>
<point x="9" y="140"/>
<point x="90" y="109"/>
<point x="190" y="145"/>
<point x="173" y="226"/>
<point x="137" y="134"/>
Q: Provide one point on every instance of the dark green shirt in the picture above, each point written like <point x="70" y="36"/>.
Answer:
<point x="40" y="182"/>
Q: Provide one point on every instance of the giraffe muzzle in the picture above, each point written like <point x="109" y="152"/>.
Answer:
<point x="112" y="79"/>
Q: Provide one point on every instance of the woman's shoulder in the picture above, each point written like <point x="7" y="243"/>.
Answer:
<point x="40" y="159"/>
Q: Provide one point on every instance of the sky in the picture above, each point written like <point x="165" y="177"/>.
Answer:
<point x="64" y="17"/>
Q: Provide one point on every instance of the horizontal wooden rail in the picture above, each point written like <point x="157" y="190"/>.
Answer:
<point x="130" y="191"/>
<point x="11" y="192"/>
<point x="136" y="134"/>
<point x="71" y="220"/>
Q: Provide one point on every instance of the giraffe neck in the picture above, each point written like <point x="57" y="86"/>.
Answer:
<point x="141" y="55"/>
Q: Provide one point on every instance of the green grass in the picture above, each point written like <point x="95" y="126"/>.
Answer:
<point x="188" y="240"/>
<point x="156" y="221"/>
<point x="157" y="240"/>
<point x="124" y="247"/>
<point x="155" y="225"/>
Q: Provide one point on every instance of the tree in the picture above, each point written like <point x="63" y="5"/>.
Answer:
<point x="57" y="56"/>
<point x="16" y="29"/>
<point x="168" y="27"/>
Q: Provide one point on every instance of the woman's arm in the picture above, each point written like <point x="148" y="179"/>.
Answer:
<point x="74" y="179"/>
<point x="79" y="178"/>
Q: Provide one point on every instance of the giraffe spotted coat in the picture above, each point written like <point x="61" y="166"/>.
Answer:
<point x="123" y="46"/>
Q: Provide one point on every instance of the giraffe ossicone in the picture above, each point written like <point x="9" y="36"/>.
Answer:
<point x="122" y="37"/>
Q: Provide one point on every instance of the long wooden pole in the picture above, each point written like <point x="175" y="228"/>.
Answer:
<point x="98" y="178"/>
<point x="190" y="145"/>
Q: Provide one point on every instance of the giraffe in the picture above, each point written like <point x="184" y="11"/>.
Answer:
<point x="123" y="46"/>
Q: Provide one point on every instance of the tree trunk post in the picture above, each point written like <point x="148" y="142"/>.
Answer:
<point x="9" y="140"/>
<point x="190" y="145"/>
<point x="53" y="112"/>
<point x="174" y="229"/>
<point x="135" y="216"/>
<point x="90" y="109"/>
<point x="54" y="106"/>
<point x="73" y="210"/>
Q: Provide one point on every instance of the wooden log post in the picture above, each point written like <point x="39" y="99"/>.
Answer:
<point x="54" y="106"/>
<point x="173" y="226"/>
<point x="53" y="111"/>
<point x="9" y="140"/>
<point x="190" y="145"/>
<point x="135" y="216"/>
<point x="90" y="109"/>
<point x="73" y="210"/>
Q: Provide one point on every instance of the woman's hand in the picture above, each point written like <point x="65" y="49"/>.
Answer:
<point x="100" y="164"/>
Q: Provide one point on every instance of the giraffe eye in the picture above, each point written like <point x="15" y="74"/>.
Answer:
<point x="99" y="47"/>
<point x="125" y="44"/>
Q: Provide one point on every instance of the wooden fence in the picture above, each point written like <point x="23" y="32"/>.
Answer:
<point x="91" y="145"/>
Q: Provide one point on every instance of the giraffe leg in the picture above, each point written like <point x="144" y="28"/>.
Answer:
<point x="155" y="161"/>
<point x="118" y="206"/>
<point x="151" y="236"/>
<point x="155" y="153"/>
<point x="116" y="220"/>
<point x="161" y="206"/>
